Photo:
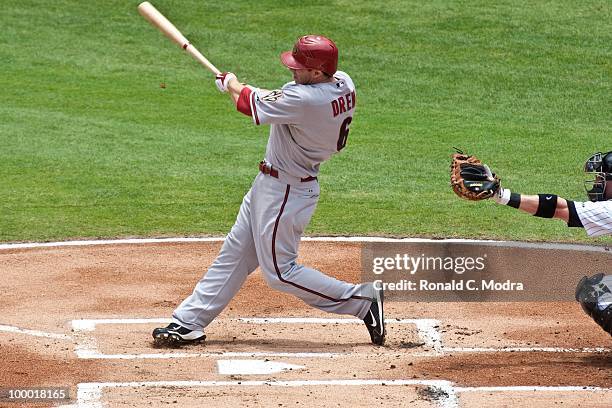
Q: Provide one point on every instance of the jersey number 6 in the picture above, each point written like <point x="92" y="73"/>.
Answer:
<point x="344" y="131"/>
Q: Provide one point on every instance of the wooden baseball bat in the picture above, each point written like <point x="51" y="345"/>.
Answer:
<point x="156" y="18"/>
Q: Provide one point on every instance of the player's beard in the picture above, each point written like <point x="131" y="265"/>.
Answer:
<point x="304" y="79"/>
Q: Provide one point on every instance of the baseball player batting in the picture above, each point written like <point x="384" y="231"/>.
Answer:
<point x="473" y="180"/>
<point x="309" y="121"/>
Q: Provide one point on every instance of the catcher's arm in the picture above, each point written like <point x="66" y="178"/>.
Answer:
<point x="541" y="205"/>
<point x="530" y="204"/>
<point x="473" y="180"/>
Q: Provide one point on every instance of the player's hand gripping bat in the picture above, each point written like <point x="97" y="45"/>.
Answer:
<point x="156" y="18"/>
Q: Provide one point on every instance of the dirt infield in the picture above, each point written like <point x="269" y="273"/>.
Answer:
<point x="81" y="317"/>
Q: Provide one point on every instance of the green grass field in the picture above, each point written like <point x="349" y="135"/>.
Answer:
<point x="92" y="146"/>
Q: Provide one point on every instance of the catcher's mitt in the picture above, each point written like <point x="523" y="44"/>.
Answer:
<point x="595" y="296"/>
<point x="471" y="179"/>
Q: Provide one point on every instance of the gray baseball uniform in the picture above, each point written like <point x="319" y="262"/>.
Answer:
<point x="309" y="123"/>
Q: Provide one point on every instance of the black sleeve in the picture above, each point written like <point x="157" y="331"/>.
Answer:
<point x="574" y="220"/>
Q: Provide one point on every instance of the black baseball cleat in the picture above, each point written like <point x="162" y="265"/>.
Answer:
<point x="175" y="335"/>
<point x="375" y="319"/>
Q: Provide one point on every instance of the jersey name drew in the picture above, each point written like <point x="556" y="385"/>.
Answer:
<point x="343" y="104"/>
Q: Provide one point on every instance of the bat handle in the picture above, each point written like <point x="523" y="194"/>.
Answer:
<point x="193" y="51"/>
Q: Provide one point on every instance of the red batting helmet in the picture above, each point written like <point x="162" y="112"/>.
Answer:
<point x="312" y="52"/>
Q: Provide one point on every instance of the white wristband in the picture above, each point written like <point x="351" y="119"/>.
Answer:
<point x="503" y="196"/>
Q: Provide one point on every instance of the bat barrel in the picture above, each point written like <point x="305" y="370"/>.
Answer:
<point x="149" y="12"/>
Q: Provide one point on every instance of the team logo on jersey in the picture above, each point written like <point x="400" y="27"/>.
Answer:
<point x="273" y="96"/>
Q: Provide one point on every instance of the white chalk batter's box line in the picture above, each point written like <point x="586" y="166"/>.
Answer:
<point x="89" y="395"/>
<point x="87" y="346"/>
<point x="427" y="329"/>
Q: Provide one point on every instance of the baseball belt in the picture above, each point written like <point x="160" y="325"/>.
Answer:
<point x="267" y="168"/>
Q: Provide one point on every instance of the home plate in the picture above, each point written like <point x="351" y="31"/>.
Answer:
<point x="254" y="367"/>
